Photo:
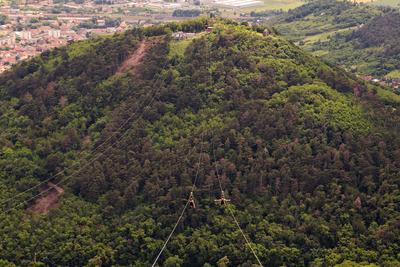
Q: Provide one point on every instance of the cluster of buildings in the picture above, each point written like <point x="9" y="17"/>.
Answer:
<point x="393" y="83"/>
<point x="26" y="34"/>
<point x="20" y="45"/>
<point x="35" y="26"/>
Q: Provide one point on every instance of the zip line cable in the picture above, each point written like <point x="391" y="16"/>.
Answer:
<point x="99" y="155"/>
<point x="184" y="208"/>
<point x="216" y="168"/>
<point x="231" y="212"/>
<point x="198" y="166"/>
<point x="111" y="145"/>
<point x="170" y="235"/>
<point x="186" y="205"/>
<point x="70" y="167"/>
<point x="208" y="61"/>
<point x="93" y="159"/>
<point x="75" y="164"/>
<point x="53" y="111"/>
<point x="59" y="183"/>
<point x="66" y="177"/>
<point x="89" y="162"/>
<point x="244" y="236"/>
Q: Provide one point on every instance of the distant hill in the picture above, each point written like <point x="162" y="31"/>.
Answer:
<point x="124" y="125"/>
<point x="359" y="37"/>
<point x="382" y="31"/>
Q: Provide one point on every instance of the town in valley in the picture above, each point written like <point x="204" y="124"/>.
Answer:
<point x="30" y="27"/>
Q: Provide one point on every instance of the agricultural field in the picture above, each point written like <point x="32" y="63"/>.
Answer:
<point x="276" y="5"/>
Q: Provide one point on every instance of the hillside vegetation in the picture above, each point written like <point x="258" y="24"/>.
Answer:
<point x="362" y="38"/>
<point x="308" y="154"/>
<point x="381" y="31"/>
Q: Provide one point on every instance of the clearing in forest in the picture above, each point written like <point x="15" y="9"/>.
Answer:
<point x="47" y="201"/>
<point x="133" y="60"/>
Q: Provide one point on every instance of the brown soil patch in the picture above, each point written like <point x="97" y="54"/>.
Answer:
<point x="48" y="200"/>
<point x="133" y="60"/>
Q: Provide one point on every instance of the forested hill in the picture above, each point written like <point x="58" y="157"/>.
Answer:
<point x="383" y="31"/>
<point x="359" y="37"/>
<point x="307" y="154"/>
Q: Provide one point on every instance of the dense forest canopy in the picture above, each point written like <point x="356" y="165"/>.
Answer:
<point x="307" y="153"/>
<point x="318" y="7"/>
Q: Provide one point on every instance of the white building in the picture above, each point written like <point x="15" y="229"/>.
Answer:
<point x="101" y="22"/>
<point x="24" y="35"/>
<point x="54" y="33"/>
<point x="8" y="41"/>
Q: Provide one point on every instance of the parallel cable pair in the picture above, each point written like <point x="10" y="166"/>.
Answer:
<point x="223" y="203"/>
<point x="92" y="160"/>
<point x="186" y="205"/>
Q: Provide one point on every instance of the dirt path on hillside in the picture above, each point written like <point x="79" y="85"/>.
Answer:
<point x="133" y="60"/>
<point x="48" y="200"/>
